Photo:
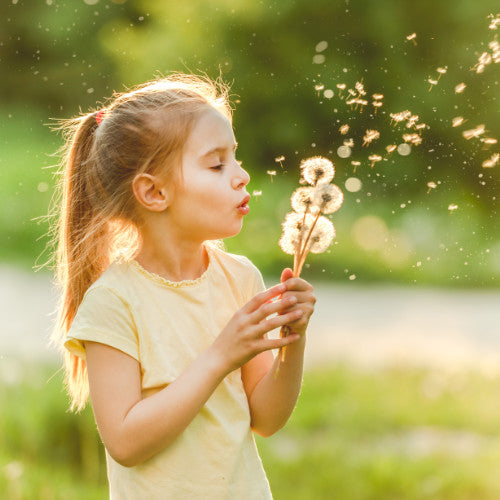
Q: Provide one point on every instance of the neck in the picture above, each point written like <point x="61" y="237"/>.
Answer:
<point x="172" y="258"/>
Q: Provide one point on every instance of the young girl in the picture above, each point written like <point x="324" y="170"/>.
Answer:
<point x="164" y="329"/>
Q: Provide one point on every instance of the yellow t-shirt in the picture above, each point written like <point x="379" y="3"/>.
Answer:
<point x="165" y="325"/>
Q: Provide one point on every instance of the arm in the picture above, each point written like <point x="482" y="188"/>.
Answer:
<point x="272" y="398"/>
<point x="134" y="429"/>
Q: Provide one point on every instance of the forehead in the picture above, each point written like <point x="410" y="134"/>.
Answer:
<point x="211" y="130"/>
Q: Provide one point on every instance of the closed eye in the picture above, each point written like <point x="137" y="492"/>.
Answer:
<point x="217" y="167"/>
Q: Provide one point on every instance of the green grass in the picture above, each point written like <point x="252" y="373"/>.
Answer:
<point x="401" y="434"/>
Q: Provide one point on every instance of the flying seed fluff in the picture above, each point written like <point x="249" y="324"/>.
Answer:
<point x="142" y="131"/>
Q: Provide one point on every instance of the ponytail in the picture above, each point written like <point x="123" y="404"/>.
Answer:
<point x="80" y="253"/>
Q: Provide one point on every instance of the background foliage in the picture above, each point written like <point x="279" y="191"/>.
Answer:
<point x="66" y="56"/>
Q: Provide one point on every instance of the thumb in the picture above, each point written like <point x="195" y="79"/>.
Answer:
<point x="286" y="274"/>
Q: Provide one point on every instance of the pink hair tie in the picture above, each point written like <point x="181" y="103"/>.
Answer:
<point x="99" y="116"/>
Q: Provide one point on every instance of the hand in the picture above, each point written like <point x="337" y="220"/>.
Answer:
<point x="244" y="335"/>
<point x="305" y="300"/>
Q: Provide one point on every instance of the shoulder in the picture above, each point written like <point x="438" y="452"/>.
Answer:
<point x="238" y="264"/>
<point x="113" y="286"/>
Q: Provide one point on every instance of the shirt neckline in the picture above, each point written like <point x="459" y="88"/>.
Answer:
<point x="175" y="284"/>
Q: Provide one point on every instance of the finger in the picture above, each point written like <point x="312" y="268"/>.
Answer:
<point x="269" y="308"/>
<point x="263" y="297"/>
<point x="267" y="325"/>
<point x="269" y="344"/>
<point x="302" y="297"/>
<point x="298" y="284"/>
<point x="286" y="274"/>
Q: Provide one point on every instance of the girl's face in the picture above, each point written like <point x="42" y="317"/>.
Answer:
<point x="210" y="201"/>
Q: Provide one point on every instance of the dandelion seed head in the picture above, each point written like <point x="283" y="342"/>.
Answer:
<point x="452" y="207"/>
<point x="457" y="121"/>
<point x="377" y="97"/>
<point x="390" y="148"/>
<point x="460" y="88"/>
<point x="302" y="199"/>
<point x="328" y="198"/>
<point x="431" y="185"/>
<point x="411" y="37"/>
<point x="319" y="87"/>
<point x="349" y="143"/>
<point x="271" y="172"/>
<point x="256" y="192"/>
<point x="322" y="236"/>
<point x="341" y="86"/>
<point x="317" y="170"/>
<point x="442" y="71"/>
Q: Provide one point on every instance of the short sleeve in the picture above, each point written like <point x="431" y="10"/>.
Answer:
<point x="257" y="284"/>
<point x="104" y="317"/>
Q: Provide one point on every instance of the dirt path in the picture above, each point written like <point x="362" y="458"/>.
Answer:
<point x="365" y="326"/>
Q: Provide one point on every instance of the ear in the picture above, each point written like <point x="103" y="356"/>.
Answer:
<point x="150" y="192"/>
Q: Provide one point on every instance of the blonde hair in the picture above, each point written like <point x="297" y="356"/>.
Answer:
<point x="141" y="130"/>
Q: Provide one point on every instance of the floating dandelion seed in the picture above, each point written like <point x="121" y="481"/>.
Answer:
<point x="376" y="105"/>
<point x="412" y="120"/>
<point x="279" y="160"/>
<point x="319" y="88"/>
<point x="271" y="173"/>
<point x="420" y="127"/>
<point x="441" y="71"/>
<point x="361" y="102"/>
<point x="349" y="143"/>
<point x="317" y="170"/>
<point x="489" y="141"/>
<point x="460" y="88"/>
<point x="412" y="38"/>
<point x="491" y="162"/>
<point x="431" y="185"/>
<point x="344" y="129"/>
<point x="452" y="207"/>
<point x="341" y="87"/>
<point x="360" y="88"/>
<point x="370" y="135"/>
<point x="495" y="21"/>
<point x="432" y="82"/>
<point x="390" y="148"/>
<point x="328" y="198"/>
<point x="399" y="117"/>
<point x="256" y="193"/>
<point x="374" y="159"/>
<point x="473" y="132"/>
<point x="415" y="139"/>
<point x="457" y="121"/>
<point x="355" y="164"/>
<point x="377" y="97"/>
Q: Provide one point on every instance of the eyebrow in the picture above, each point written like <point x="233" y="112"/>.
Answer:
<point x="218" y="149"/>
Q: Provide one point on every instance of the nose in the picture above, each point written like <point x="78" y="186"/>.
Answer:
<point x="241" y="178"/>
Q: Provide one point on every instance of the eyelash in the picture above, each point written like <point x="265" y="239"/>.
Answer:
<point x="217" y="167"/>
